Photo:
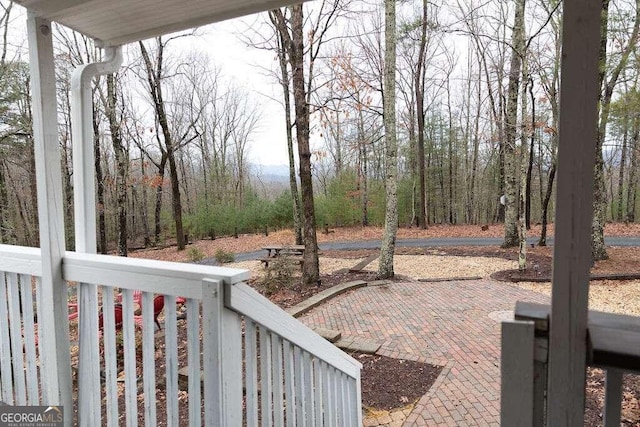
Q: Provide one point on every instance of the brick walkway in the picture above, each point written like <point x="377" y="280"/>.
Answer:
<point x="444" y="323"/>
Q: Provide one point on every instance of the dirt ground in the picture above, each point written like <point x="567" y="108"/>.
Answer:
<point x="621" y="296"/>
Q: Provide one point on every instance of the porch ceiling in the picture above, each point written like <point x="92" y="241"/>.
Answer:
<point x="117" y="22"/>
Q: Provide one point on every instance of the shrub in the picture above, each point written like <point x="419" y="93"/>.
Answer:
<point x="281" y="212"/>
<point x="195" y="254"/>
<point x="341" y="205"/>
<point x="279" y="274"/>
<point x="224" y="257"/>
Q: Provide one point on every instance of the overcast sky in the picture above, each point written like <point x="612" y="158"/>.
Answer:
<point x="246" y="67"/>
<point x="242" y="65"/>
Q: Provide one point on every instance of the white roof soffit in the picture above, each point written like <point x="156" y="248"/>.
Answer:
<point x="116" y="22"/>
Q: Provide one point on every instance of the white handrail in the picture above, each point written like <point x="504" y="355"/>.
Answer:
<point x="244" y="300"/>
<point x="21" y="260"/>
<point x="169" y="278"/>
<point x="87" y="268"/>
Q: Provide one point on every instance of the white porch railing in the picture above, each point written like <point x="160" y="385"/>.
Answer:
<point x="613" y="345"/>
<point x="20" y="368"/>
<point x="247" y="361"/>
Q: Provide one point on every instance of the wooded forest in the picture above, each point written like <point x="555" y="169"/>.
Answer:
<point x="473" y="96"/>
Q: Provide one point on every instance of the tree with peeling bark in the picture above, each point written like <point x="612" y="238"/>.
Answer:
<point x="419" y="84"/>
<point x="608" y="82"/>
<point x="122" y="160"/>
<point x="388" y="245"/>
<point x="511" y="236"/>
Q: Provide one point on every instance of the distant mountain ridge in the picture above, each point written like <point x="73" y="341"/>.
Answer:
<point x="271" y="174"/>
<point x="268" y="170"/>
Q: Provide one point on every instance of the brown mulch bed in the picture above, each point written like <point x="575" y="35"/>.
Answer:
<point x="288" y="296"/>
<point x="296" y="292"/>
<point x="393" y="383"/>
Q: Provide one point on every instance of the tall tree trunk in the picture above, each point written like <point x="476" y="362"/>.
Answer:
<point x="143" y="205"/>
<point x="293" y="183"/>
<point x="388" y="245"/>
<point x="598" y="249"/>
<point x="68" y="195"/>
<point x="550" y="85"/>
<point x="530" y="162"/>
<point x="158" y="206"/>
<point x="476" y="147"/>
<point x="154" y="78"/>
<point x="623" y="160"/>
<point x="522" y="223"/>
<point x="497" y="115"/>
<point x="552" y="170"/>
<point x="632" y="187"/>
<point x="122" y="160"/>
<point x="176" y="204"/>
<point x="545" y="204"/>
<point x="419" y="87"/>
<point x="522" y="226"/>
<point x="184" y="179"/>
<point x="4" y="204"/>
<point x="365" y="187"/>
<point x="310" y="266"/>
<point x="363" y="170"/>
<point x="97" y="154"/>
<point x="451" y="138"/>
<point x="510" y="159"/>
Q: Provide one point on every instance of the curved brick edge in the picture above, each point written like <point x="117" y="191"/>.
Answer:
<point x="450" y="279"/>
<point x="317" y="299"/>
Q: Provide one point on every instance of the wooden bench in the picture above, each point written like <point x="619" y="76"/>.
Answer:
<point x="277" y="250"/>
<point x="292" y="254"/>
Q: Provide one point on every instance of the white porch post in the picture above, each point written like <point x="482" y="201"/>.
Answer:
<point x="54" y="326"/>
<point x="572" y="251"/>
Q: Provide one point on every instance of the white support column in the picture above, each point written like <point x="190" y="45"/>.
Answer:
<point x="212" y="306"/>
<point x="572" y="251"/>
<point x="54" y="326"/>
<point x="221" y="357"/>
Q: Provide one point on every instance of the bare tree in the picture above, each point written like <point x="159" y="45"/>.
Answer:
<point x="290" y="29"/>
<point x="285" y="82"/>
<point x="511" y="169"/>
<point x="387" y="248"/>
<point x="122" y="161"/>
<point x="608" y="81"/>
<point x="419" y="77"/>
<point x="155" y="76"/>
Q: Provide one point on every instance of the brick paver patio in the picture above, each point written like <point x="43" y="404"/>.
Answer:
<point x="443" y="323"/>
